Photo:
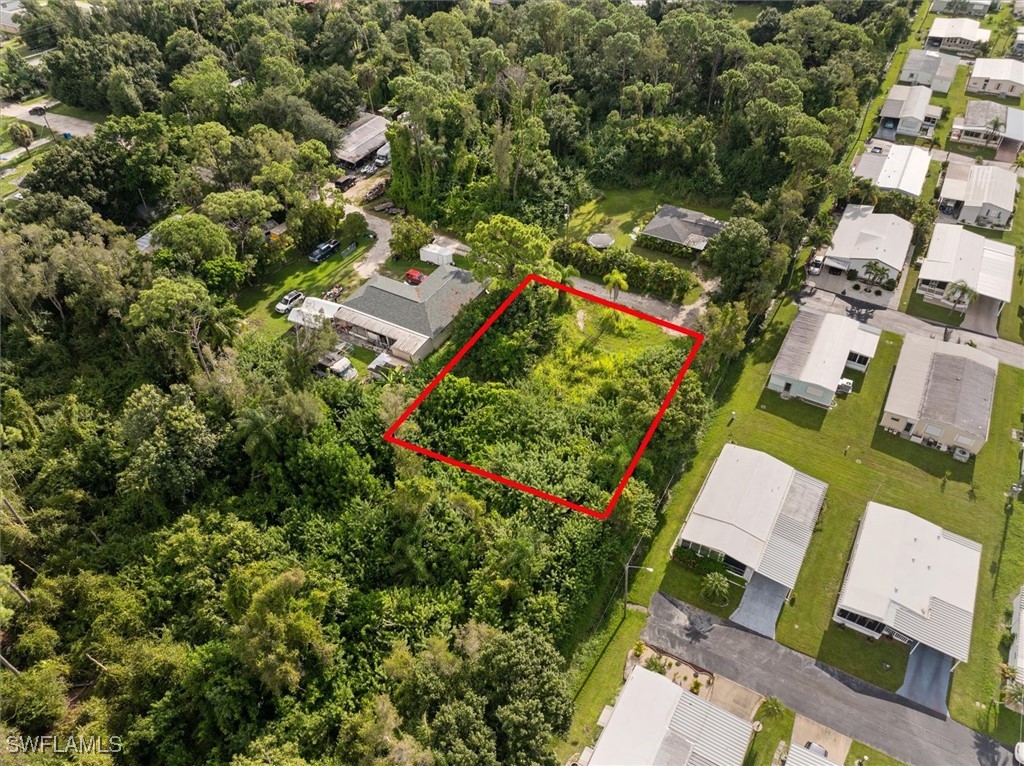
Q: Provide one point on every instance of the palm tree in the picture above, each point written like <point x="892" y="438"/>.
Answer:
<point x="959" y="292"/>
<point x="1013" y="697"/>
<point x="21" y="135"/>
<point x="876" y="273"/>
<point x="614" y="281"/>
<point x="995" y="125"/>
<point x="564" y="276"/>
<point x="772" y="707"/>
<point x="715" y="588"/>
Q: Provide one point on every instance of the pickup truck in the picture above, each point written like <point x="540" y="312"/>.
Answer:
<point x="324" y="249"/>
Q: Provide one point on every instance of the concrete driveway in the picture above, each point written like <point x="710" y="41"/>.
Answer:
<point x="380" y="251"/>
<point x="982" y="316"/>
<point x="926" y="681"/>
<point x="59" y="123"/>
<point x="836" y="745"/>
<point x="761" y="605"/>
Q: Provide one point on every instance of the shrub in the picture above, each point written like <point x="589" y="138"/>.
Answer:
<point x="702" y="565"/>
<point x="878" y="292"/>
<point x="655" y="664"/>
<point x="652" y="277"/>
<point x="890" y="284"/>
<point x="856" y="286"/>
<point x="638" y="648"/>
<point x="852" y="274"/>
<point x="696" y="686"/>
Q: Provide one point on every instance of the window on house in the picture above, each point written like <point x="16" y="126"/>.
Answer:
<point x="868" y="624"/>
<point x="933" y="431"/>
<point x="856" y="358"/>
<point x="908" y="428"/>
<point x="815" y="392"/>
<point x="893" y="417"/>
<point x="787" y="388"/>
<point x="963" y="441"/>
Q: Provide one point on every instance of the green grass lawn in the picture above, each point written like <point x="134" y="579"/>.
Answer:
<point x="74" y="111"/>
<point x="860" y="462"/>
<point x="599" y="681"/>
<point x="22" y="165"/>
<point x="617" y="211"/>
<point x="954" y="104"/>
<point x="914" y="304"/>
<point x="6" y="145"/>
<point x="875" y="758"/>
<point x="777" y="728"/>
<point x="257" y="302"/>
<point x="684" y="584"/>
<point x="396" y="269"/>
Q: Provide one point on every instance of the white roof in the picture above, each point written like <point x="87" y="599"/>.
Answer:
<point x="864" y="235"/>
<point x="948" y="383"/>
<point x="931" y="62"/>
<point x="432" y="249"/>
<point x="977" y="185"/>
<point x="1015" y="628"/>
<point x="915" y="577"/>
<point x="758" y="510"/>
<point x="313" y="312"/>
<point x="362" y="137"/>
<point x="965" y="29"/>
<point x="956" y="254"/>
<point x="906" y="101"/>
<point x="798" y="755"/>
<point x="656" y="722"/>
<point x="894" y="166"/>
<point x="817" y="345"/>
<point x="1009" y="70"/>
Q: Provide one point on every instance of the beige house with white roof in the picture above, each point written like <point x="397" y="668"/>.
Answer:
<point x="912" y="581"/>
<point x="815" y="354"/>
<point x="964" y="35"/>
<point x="979" y="195"/>
<point x="894" y="167"/>
<point x="957" y="255"/>
<point x="756" y="514"/>
<point x="864" y="237"/>
<point x="997" y="77"/>
<point x="941" y="395"/>
<point x="908" y="111"/>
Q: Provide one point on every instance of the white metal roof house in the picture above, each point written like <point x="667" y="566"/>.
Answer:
<point x="964" y="35"/>
<point x="313" y="312"/>
<point x="362" y="138"/>
<point x="801" y="756"/>
<point x="894" y="167"/>
<point x="864" y="236"/>
<point x="1016" y="657"/>
<point x="756" y="514"/>
<point x="979" y="195"/>
<point x="907" y="112"/>
<point x="957" y="255"/>
<point x="970" y="7"/>
<point x="986" y="123"/>
<point x="941" y="395"/>
<point x="10" y="19"/>
<point x="817" y="350"/>
<point x="909" y="579"/>
<point x="997" y="77"/>
<point x="656" y="721"/>
<point x="932" y="68"/>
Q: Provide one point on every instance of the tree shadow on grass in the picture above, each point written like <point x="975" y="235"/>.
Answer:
<point x="929" y="460"/>
<point x="800" y="414"/>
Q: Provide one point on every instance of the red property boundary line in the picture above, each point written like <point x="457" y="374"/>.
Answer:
<point x="391" y="437"/>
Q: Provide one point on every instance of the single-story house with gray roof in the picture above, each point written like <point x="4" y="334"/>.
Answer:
<point x="407" y="321"/>
<point x="1016" y="656"/>
<point x="679" y="226"/>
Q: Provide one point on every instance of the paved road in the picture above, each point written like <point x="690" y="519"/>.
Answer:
<point x="1005" y="351"/>
<point x="868" y="714"/>
<point x="7" y="156"/>
<point x="58" y="122"/>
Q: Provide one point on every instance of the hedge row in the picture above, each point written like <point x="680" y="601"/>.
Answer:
<point x="659" y="278"/>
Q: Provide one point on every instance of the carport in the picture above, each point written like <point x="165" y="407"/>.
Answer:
<point x="760" y="606"/>
<point x="926" y="681"/>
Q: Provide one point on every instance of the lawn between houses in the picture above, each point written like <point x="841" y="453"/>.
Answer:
<point x="860" y="462"/>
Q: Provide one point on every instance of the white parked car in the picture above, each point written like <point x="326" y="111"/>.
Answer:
<point x="1018" y="753"/>
<point x="815" y="264"/>
<point x="288" y="302"/>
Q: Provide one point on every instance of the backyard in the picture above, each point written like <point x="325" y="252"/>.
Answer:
<point x="257" y="302"/>
<point x="860" y="462"/>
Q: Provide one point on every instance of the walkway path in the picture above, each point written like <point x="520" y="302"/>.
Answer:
<point x="685" y="316"/>
<point x="8" y="156"/>
<point x="1005" y="351"/>
<point x="871" y="715"/>
<point x="380" y="251"/>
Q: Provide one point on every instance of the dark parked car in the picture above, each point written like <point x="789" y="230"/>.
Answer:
<point x="345" y="183"/>
<point x="324" y="249"/>
<point x="37" y="111"/>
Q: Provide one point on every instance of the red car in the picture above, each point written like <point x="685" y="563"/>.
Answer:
<point x="414" y="277"/>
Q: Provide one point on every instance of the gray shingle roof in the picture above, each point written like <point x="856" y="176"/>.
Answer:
<point x="959" y="393"/>
<point x="683" y="227"/>
<point x="426" y="309"/>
